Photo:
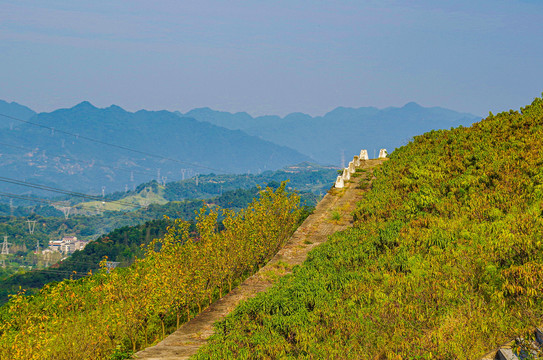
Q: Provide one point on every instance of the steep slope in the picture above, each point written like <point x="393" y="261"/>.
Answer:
<point x="445" y="259"/>
<point x="324" y="138"/>
<point x="212" y="148"/>
<point x="314" y="231"/>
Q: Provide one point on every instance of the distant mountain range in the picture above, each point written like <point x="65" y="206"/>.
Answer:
<point x="201" y="141"/>
<point x="43" y="155"/>
<point x="342" y="130"/>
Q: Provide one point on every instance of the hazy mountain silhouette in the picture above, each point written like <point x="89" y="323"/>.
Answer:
<point x="15" y="110"/>
<point x="215" y="148"/>
<point x="343" y="129"/>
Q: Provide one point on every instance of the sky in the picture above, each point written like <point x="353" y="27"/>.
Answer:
<point x="271" y="57"/>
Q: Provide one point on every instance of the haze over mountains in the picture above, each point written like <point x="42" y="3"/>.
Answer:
<point x="39" y="154"/>
<point x="343" y="129"/>
<point x="201" y="141"/>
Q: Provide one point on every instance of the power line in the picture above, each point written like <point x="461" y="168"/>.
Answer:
<point x="65" y="192"/>
<point x="44" y="201"/>
<point x="82" y="161"/>
<point x="20" y="197"/>
<point x="78" y="136"/>
<point x="61" y="191"/>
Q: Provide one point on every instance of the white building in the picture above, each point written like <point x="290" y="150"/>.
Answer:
<point x="67" y="245"/>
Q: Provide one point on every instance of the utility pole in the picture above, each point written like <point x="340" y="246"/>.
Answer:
<point x="183" y="174"/>
<point x="342" y="159"/>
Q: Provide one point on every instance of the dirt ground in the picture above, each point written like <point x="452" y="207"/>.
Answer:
<point x="332" y="214"/>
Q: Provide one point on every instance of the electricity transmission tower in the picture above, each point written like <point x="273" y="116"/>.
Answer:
<point x="66" y="211"/>
<point x="5" y="250"/>
<point x="5" y="246"/>
<point x="31" y="226"/>
<point x="110" y="265"/>
<point x="145" y="204"/>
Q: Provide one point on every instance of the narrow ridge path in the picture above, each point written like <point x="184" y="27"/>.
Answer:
<point x="314" y="231"/>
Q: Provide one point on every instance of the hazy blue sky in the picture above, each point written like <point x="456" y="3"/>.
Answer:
<point x="271" y="57"/>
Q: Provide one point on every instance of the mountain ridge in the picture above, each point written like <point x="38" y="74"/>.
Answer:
<point x="15" y="110"/>
<point x="279" y="141"/>
<point x="196" y="146"/>
<point x="341" y="130"/>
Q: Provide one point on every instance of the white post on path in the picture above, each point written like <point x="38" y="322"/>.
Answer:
<point x="346" y="175"/>
<point x="351" y="167"/>
<point x="363" y="155"/>
<point x="383" y="153"/>
<point x="339" y="182"/>
<point x="356" y="161"/>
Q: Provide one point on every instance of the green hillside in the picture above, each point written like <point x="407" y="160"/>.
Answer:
<point x="445" y="259"/>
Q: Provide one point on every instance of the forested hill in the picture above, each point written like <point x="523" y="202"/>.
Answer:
<point x="342" y="129"/>
<point x="445" y="259"/>
<point x="304" y="177"/>
<point x="122" y="245"/>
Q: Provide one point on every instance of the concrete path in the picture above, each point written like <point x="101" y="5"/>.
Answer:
<point x="314" y="231"/>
